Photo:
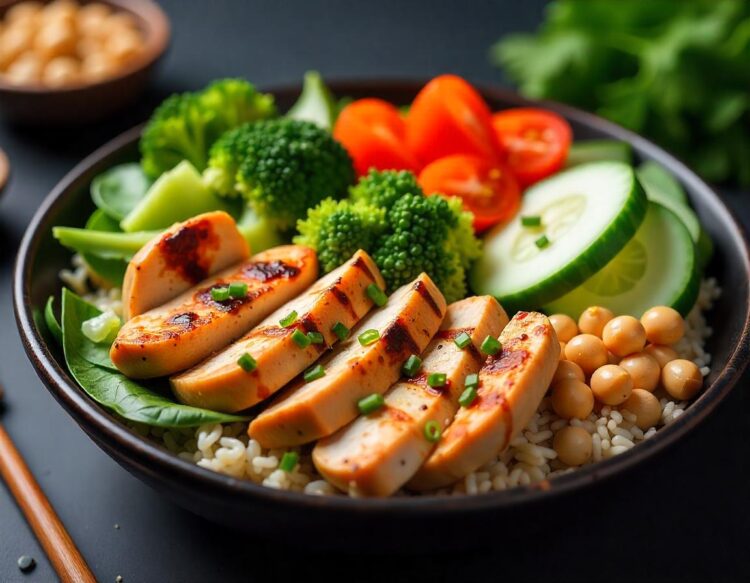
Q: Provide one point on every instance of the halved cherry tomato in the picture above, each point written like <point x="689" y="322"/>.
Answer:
<point x="536" y="142"/>
<point x="373" y="133"/>
<point x="448" y="117"/>
<point x="488" y="188"/>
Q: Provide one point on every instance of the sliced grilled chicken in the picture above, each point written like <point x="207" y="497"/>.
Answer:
<point x="187" y="329"/>
<point x="308" y="411"/>
<point x="181" y="257"/>
<point x="377" y="453"/>
<point x="511" y="386"/>
<point x="221" y="384"/>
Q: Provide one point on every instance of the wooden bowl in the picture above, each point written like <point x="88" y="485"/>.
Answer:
<point x="83" y="103"/>
<point x="423" y="522"/>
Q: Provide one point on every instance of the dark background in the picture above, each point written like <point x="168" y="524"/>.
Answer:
<point x="680" y="517"/>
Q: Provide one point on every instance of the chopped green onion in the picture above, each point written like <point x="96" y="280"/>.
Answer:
<point x="491" y="345"/>
<point x="288" y="461"/>
<point x="432" y="431"/>
<point x="411" y="366"/>
<point x="247" y="362"/>
<point x="316" y="337"/>
<point x="238" y="290"/>
<point x="102" y="327"/>
<point x="531" y="221"/>
<point x="376" y="294"/>
<point x="302" y="339"/>
<point x="467" y="397"/>
<point x="542" y="242"/>
<point x="289" y="319"/>
<point x="472" y="380"/>
<point x="341" y="331"/>
<point x="437" y="379"/>
<point x="368" y="337"/>
<point x="219" y="294"/>
<point x="462" y="340"/>
<point x="314" y="373"/>
<point x="370" y="404"/>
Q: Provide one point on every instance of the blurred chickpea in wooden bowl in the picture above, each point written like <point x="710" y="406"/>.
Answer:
<point x="74" y="61"/>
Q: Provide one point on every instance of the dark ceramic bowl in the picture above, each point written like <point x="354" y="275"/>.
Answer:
<point x="84" y="103"/>
<point x="347" y="521"/>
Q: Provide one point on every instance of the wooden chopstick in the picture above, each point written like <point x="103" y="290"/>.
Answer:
<point x="49" y="530"/>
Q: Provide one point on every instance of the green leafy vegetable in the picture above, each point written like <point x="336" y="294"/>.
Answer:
<point x="118" y="190"/>
<point x="51" y="320"/>
<point x="674" y="70"/>
<point x="113" y="390"/>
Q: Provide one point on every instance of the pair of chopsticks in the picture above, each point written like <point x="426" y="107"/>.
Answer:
<point x="67" y="561"/>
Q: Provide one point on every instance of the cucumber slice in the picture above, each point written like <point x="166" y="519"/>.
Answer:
<point x="315" y="104"/>
<point x="654" y="177"/>
<point x="585" y="151"/>
<point x="656" y="268"/>
<point x="663" y="188"/>
<point x="588" y="214"/>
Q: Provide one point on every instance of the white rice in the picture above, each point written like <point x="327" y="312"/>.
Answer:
<point x="530" y="457"/>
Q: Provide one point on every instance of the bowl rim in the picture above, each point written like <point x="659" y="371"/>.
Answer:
<point x="110" y="433"/>
<point x="157" y="34"/>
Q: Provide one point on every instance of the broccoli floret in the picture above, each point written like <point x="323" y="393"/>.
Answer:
<point x="337" y="229"/>
<point x="383" y="188"/>
<point x="282" y="167"/>
<point x="417" y="233"/>
<point x="185" y="125"/>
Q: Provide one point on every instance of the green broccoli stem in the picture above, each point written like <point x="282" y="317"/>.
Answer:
<point x="101" y="243"/>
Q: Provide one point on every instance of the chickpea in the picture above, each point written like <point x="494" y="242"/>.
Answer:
<point x="645" y="407"/>
<point x="55" y="40"/>
<point x="682" y="379"/>
<point x="565" y="327"/>
<point x="573" y="445"/>
<point x="587" y="351"/>
<point x="23" y="12"/>
<point x="60" y="12"/>
<point x="124" y="46"/>
<point x="118" y="23"/>
<point x="97" y="66"/>
<point x="15" y="41"/>
<point x="572" y="399"/>
<point x="60" y="71"/>
<point x="87" y="46"/>
<point x="27" y="69"/>
<point x="644" y="369"/>
<point x="567" y="370"/>
<point x="662" y="354"/>
<point x="593" y="319"/>
<point x="663" y="325"/>
<point x="624" y="335"/>
<point x="611" y="384"/>
<point x="91" y="17"/>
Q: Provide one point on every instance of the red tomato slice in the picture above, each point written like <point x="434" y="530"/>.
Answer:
<point x="448" y="117"/>
<point x="487" y="188"/>
<point x="373" y="133"/>
<point x="536" y="142"/>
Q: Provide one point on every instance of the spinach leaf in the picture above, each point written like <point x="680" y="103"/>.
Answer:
<point x="114" y="390"/>
<point x="51" y="320"/>
<point x="110" y="269"/>
<point x="118" y="190"/>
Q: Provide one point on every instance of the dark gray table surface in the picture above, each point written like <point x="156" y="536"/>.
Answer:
<point x="681" y="517"/>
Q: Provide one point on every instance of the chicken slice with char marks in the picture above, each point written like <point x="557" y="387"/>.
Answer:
<point x="512" y="383"/>
<point x="179" y="258"/>
<point x="309" y="411"/>
<point x="187" y="329"/>
<point x="377" y="453"/>
<point x="220" y="384"/>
